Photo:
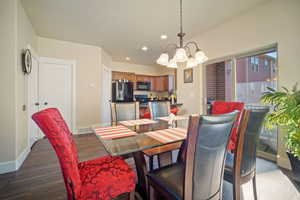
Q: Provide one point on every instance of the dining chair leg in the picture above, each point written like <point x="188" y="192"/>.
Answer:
<point x="254" y="187"/>
<point x="150" y="191"/>
<point x="236" y="190"/>
<point x="141" y="170"/>
<point x="132" y="195"/>
<point x="164" y="159"/>
<point x="151" y="167"/>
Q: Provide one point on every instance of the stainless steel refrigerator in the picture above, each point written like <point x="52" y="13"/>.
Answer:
<point x="122" y="91"/>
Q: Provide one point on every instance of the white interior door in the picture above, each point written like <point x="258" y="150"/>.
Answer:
<point x="33" y="100"/>
<point x="56" y="87"/>
<point x="106" y="96"/>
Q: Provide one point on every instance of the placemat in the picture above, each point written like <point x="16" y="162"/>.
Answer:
<point x="168" y="135"/>
<point x="113" y="132"/>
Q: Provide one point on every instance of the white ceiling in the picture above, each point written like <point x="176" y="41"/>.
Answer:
<point x="122" y="27"/>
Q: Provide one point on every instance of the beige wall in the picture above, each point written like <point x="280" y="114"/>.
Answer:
<point x="16" y="33"/>
<point x="8" y="24"/>
<point x="26" y="36"/>
<point x="188" y="93"/>
<point x="88" y="75"/>
<point x="274" y="22"/>
<point x="140" y="69"/>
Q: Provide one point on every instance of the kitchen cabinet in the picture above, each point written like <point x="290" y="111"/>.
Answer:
<point x="123" y="76"/>
<point x="158" y="83"/>
<point x="161" y="83"/>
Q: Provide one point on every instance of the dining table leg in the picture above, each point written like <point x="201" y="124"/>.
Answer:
<point x="141" y="170"/>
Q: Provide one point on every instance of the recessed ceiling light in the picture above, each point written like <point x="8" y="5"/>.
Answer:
<point x="127" y="58"/>
<point x="163" y="37"/>
<point x="144" y="48"/>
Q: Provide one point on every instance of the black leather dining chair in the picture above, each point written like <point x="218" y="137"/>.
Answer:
<point x="240" y="166"/>
<point x="200" y="175"/>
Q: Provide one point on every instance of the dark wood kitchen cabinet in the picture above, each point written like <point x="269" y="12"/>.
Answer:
<point x="161" y="83"/>
<point x="123" y="76"/>
<point x="158" y="83"/>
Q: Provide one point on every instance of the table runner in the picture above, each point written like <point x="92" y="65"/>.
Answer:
<point x="113" y="132"/>
<point x="137" y="122"/>
<point x="168" y="135"/>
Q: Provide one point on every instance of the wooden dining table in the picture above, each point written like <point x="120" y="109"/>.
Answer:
<point x="130" y="141"/>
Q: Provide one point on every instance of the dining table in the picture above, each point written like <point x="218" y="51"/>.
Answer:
<point x="131" y="138"/>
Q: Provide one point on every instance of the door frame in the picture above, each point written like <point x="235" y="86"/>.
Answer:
<point x="73" y="85"/>
<point x="104" y="67"/>
<point x="35" y="55"/>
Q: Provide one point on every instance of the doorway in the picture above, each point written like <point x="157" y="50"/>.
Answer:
<point x="245" y="77"/>
<point x="254" y="74"/>
<point x="57" y="87"/>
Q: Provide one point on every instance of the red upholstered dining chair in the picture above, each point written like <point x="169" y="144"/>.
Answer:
<point x="222" y="107"/>
<point x="103" y="178"/>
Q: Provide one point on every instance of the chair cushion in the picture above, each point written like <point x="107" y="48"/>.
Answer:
<point x="105" y="178"/>
<point x="170" y="179"/>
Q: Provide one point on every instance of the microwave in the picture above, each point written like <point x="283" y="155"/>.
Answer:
<point x="143" y="86"/>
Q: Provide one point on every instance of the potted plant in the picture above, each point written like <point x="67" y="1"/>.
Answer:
<point x="286" y="115"/>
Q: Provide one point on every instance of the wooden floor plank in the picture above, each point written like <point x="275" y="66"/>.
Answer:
<point x="40" y="177"/>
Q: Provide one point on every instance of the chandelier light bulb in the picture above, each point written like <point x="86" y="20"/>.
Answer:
<point x="191" y="62"/>
<point x="200" y="57"/>
<point x="205" y="59"/>
<point x="180" y="55"/>
<point x="163" y="59"/>
<point x="172" y="64"/>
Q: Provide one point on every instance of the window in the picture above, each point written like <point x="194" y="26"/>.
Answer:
<point x="266" y="62"/>
<point x="267" y="65"/>
<point x="254" y="64"/>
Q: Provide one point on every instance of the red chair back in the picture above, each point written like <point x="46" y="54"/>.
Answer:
<point x="55" y="128"/>
<point x="222" y="107"/>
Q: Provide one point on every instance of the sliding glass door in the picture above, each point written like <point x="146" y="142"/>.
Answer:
<point x="245" y="78"/>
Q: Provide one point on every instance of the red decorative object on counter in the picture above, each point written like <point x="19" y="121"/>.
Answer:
<point x="147" y="114"/>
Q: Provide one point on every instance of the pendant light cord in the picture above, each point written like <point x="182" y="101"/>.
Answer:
<point x="181" y="29"/>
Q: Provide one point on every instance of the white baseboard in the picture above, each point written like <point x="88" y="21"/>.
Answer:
<point x="14" y="165"/>
<point x="8" y="166"/>
<point x="21" y="158"/>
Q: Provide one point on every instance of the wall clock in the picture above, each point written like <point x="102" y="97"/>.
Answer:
<point x="27" y="61"/>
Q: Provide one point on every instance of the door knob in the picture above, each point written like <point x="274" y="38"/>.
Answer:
<point x="37" y="104"/>
<point x="46" y="103"/>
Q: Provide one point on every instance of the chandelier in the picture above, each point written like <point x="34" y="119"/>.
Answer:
<point x="183" y="52"/>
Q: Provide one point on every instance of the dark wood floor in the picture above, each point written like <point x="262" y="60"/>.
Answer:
<point x="40" y="176"/>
